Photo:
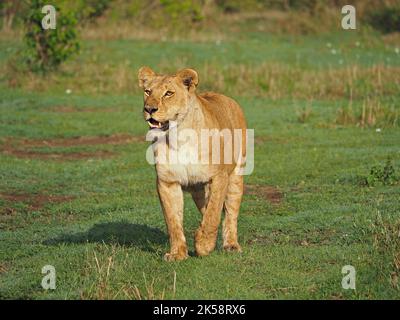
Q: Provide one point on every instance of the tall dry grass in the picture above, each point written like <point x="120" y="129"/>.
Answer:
<point x="271" y="80"/>
<point x="371" y="113"/>
<point x="386" y="241"/>
<point x="103" y="269"/>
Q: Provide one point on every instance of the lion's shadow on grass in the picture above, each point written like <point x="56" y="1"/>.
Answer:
<point x="122" y="233"/>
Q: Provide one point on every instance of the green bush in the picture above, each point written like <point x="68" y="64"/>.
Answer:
<point x="47" y="49"/>
<point x="385" y="19"/>
<point x="185" y="9"/>
<point x="85" y="10"/>
<point x="384" y="175"/>
<point x="254" y="5"/>
<point x="96" y="8"/>
<point x="232" y="6"/>
<point x="176" y="15"/>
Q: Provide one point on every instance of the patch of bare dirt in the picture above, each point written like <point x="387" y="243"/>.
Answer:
<point x="29" y="154"/>
<point x="71" y="109"/>
<point x="35" y="201"/>
<point x="22" y="148"/>
<point x="269" y="193"/>
<point x="82" y="141"/>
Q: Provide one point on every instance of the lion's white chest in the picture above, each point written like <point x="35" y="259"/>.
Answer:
<point x="182" y="165"/>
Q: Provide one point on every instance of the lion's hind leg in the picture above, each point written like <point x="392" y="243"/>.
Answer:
<point x="231" y="209"/>
<point x="200" y="195"/>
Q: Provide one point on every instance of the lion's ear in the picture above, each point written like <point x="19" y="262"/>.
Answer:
<point x="189" y="78"/>
<point x="145" y="74"/>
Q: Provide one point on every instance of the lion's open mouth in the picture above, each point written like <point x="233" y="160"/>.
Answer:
<point x="154" y="124"/>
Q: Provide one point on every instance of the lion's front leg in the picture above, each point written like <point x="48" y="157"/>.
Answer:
<point x="206" y="234"/>
<point x="171" y="198"/>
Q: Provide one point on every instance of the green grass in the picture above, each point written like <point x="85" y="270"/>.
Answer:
<point x="109" y="239"/>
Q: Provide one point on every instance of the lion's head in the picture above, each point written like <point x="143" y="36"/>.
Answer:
<point x="166" y="98"/>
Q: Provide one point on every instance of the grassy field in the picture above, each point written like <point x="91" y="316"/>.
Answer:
<point x="77" y="193"/>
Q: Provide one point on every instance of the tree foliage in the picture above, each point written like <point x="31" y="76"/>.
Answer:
<point x="385" y="19"/>
<point x="47" y="49"/>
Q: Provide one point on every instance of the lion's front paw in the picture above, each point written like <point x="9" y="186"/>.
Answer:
<point x="234" y="247"/>
<point x="175" y="256"/>
<point x="204" y="244"/>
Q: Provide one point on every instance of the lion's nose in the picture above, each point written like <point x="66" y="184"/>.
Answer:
<point x="150" y="109"/>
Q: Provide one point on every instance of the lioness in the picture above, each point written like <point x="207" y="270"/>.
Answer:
<point x="213" y="186"/>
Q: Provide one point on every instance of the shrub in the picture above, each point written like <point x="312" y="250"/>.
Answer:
<point x="385" y="19"/>
<point x="185" y="9"/>
<point x="303" y="4"/>
<point x="385" y="175"/>
<point x="96" y="8"/>
<point x="85" y="10"/>
<point x="232" y="6"/>
<point x="254" y="5"/>
<point x="47" y="49"/>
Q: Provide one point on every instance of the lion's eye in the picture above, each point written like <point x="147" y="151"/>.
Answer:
<point x="169" y="94"/>
<point x="147" y="92"/>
